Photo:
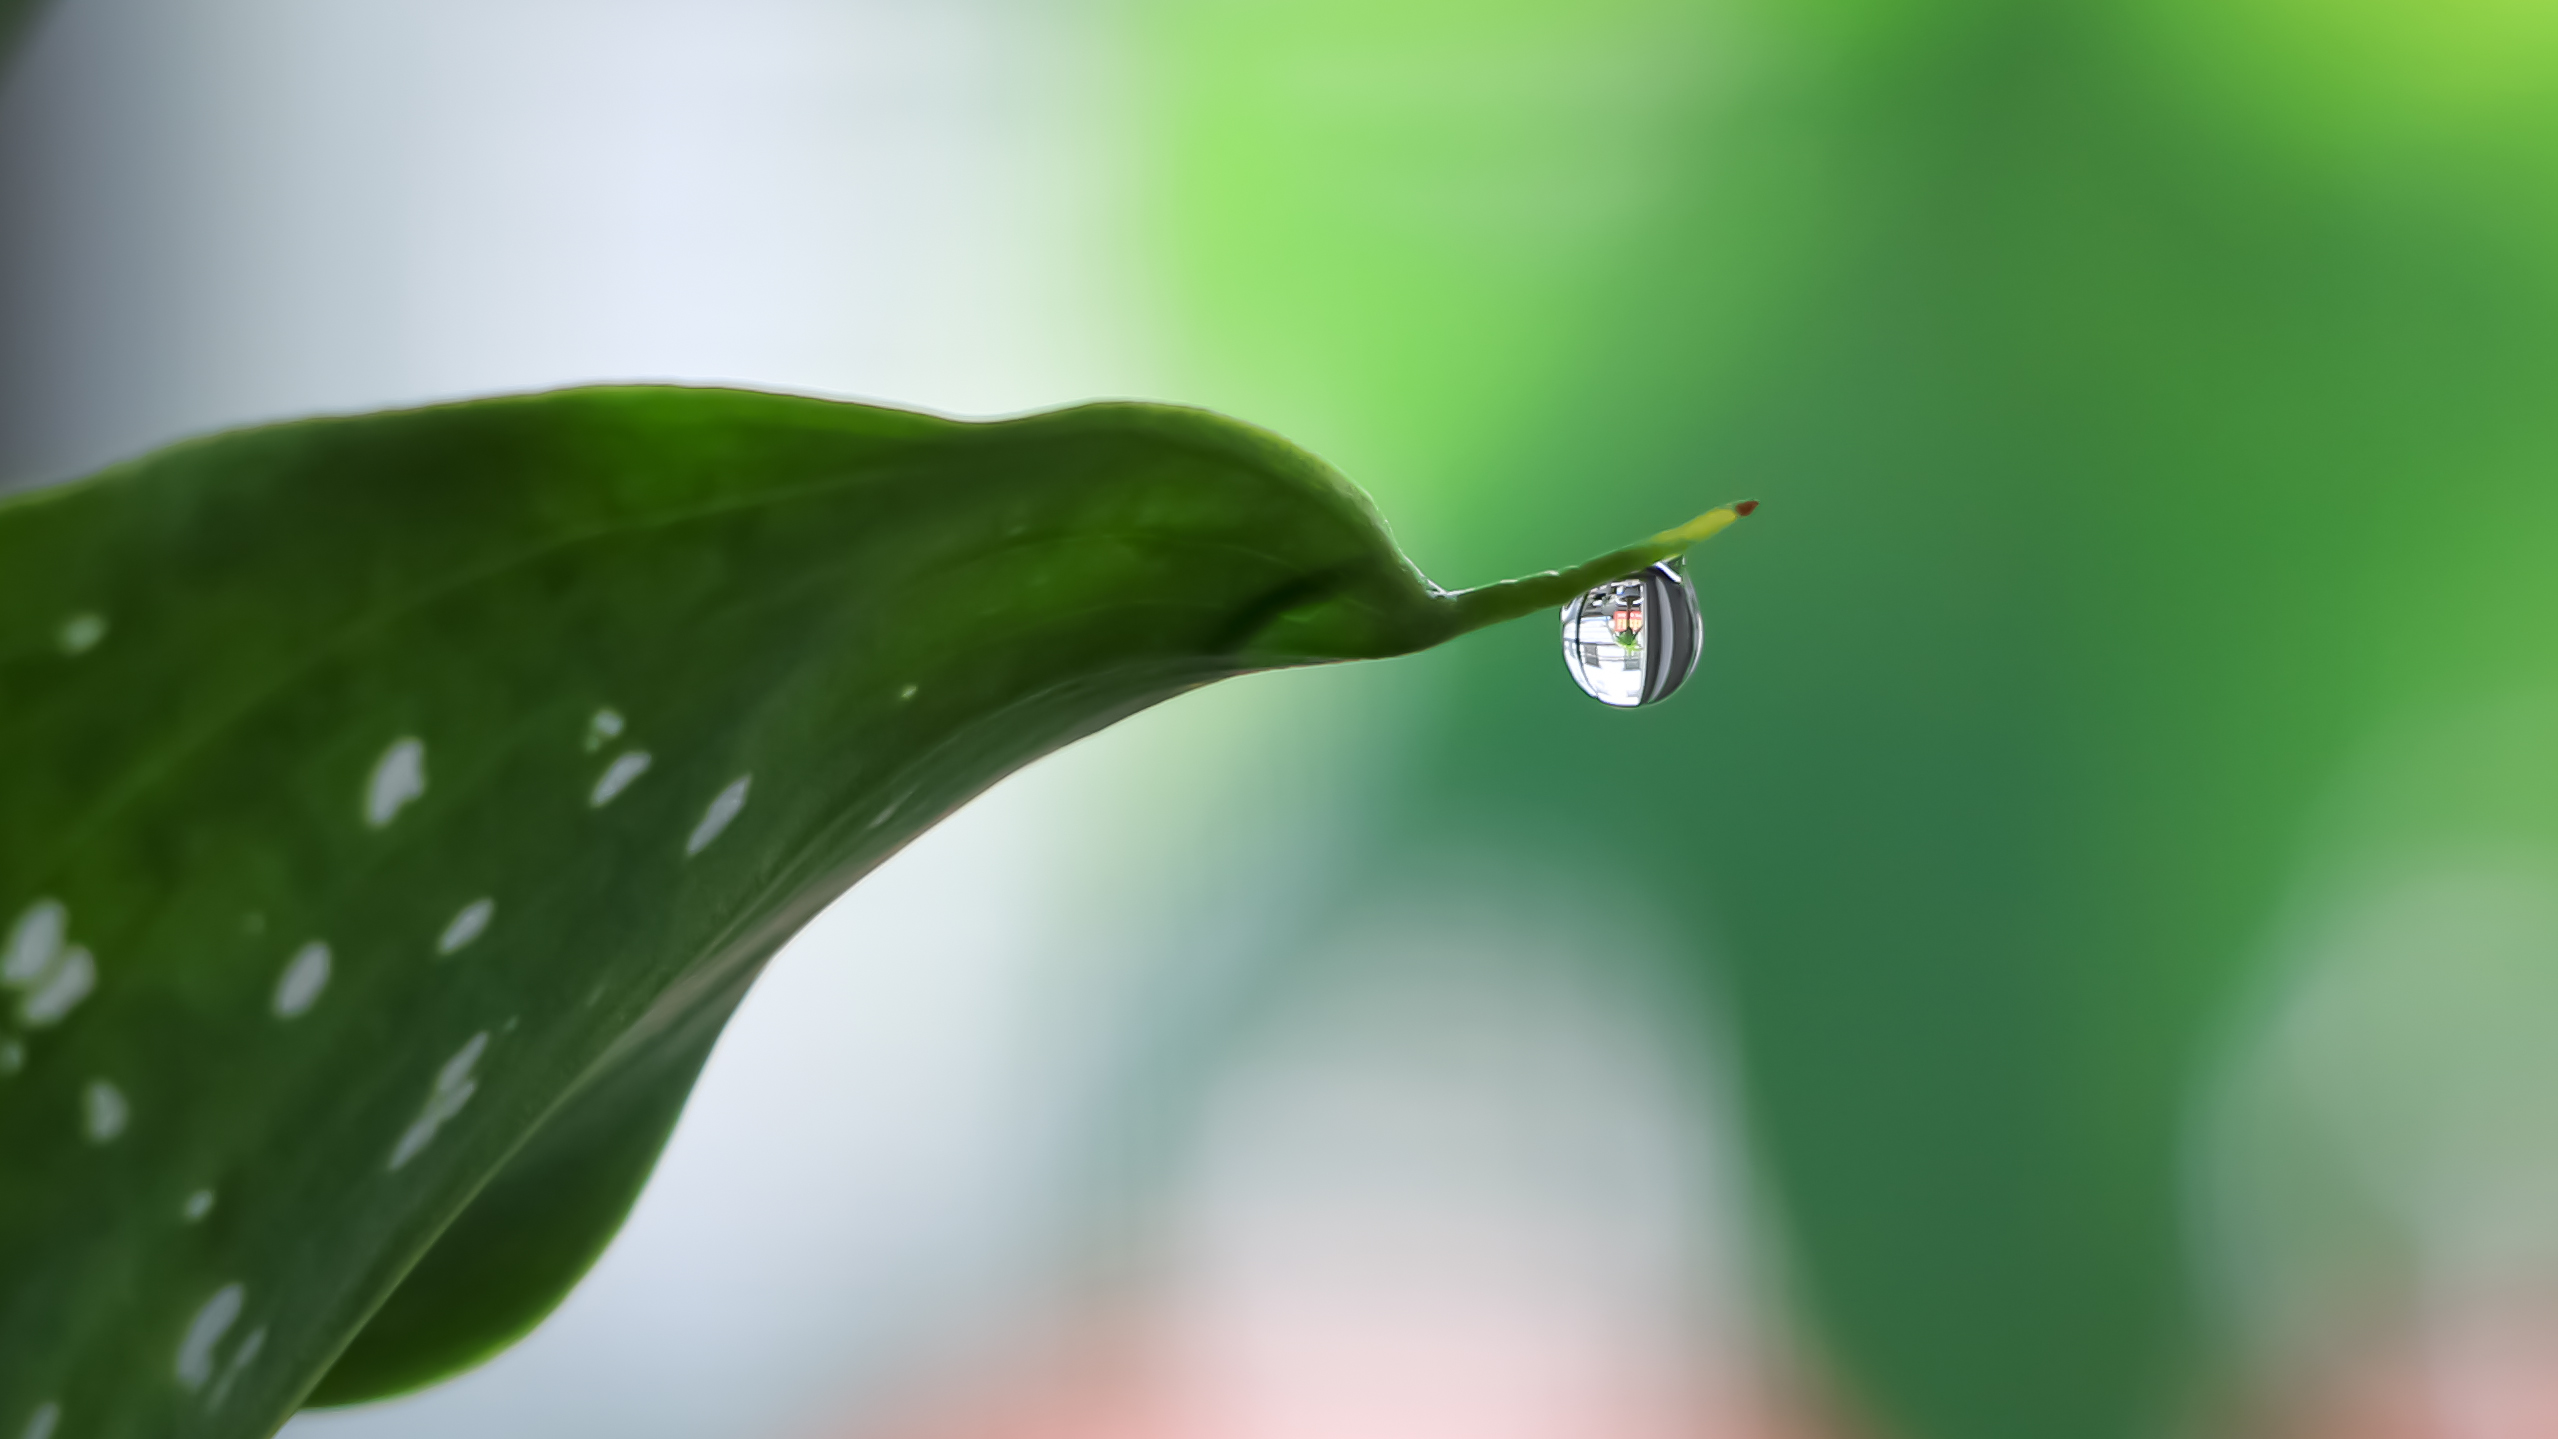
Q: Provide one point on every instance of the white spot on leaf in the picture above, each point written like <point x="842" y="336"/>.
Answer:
<point x="456" y="1073"/>
<point x="241" y="1358"/>
<point x="603" y="729"/>
<point x="61" y="991"/>
<point x="399" y="776"/>
<point x="41" y="1424"/>
<point x="198" y="1205"/>
<point x="81" y="633"/>
<point x="626" y="767"/>
<point x="54" y="979"/>
<point x="35" y="941"/>
<point x="724" y="807"/>
<point x="454" y="1087"/>
<point x="103" y="1112"/>
<point x="305" y="975"/>
<point x="909" y="692"/>
<point x="196" y="1351"/>
<point x="467" y="925"/>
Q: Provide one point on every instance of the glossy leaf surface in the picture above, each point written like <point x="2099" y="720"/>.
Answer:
<point x="397" y="806"/>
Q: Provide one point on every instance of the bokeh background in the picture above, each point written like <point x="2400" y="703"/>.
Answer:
<point x="2081" y="959"/>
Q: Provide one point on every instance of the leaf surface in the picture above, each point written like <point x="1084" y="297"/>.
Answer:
<point x="397" y="806"/>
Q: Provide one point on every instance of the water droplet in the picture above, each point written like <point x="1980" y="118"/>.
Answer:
<point x="1634" y="641"/>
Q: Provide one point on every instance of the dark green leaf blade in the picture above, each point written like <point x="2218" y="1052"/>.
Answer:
<point x="385" y="792"/>
<point x="524" y="1242"/>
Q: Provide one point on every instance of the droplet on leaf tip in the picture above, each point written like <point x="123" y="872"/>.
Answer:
<point x="1633" y="641"/>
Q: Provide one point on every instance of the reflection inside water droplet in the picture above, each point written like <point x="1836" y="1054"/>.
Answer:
<point x="1633" y="641"/>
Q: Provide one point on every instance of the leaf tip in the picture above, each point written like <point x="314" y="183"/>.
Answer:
<point x="1703" y="527"/>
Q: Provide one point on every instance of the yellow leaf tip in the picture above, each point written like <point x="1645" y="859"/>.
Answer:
<point x="1703" y="526"/>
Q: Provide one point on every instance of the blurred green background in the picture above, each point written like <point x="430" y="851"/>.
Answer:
<point x="2107" y="856"/>
<point x="2153" y="403"/>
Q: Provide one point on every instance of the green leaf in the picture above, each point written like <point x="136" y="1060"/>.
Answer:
<point x="397" y="807"/>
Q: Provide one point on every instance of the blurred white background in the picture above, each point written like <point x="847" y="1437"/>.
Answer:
<point x="234" y="211"/>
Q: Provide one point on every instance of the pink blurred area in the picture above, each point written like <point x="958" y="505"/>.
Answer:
<point x="2484" y="1371"/>
<point x="1456" y="1188"/>
<point x="1343" y="1363"/>
<point x="1375" y="1365"/>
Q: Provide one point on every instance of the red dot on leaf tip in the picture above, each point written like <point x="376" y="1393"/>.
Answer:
<point x="1745" y="507"/>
